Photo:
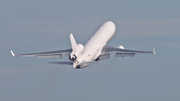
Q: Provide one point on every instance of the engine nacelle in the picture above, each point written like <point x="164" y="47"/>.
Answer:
<point x="75" y="53"/>
<point x="72" y="57"/>
<point x="121" y="47"/>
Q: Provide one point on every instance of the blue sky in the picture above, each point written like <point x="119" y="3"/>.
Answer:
<point x="44" y="25"/>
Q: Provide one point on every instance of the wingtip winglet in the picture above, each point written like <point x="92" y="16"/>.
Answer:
<point x="12" y="53"/>
<point x="154" y="52"/>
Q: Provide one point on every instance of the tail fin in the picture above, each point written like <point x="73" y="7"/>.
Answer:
<point x="73" y="42"/>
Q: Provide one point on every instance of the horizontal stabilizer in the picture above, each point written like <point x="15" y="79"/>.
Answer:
<point x="89" y="62"/>
<point x="63" y="62"/>
<point x="71" y="62"/>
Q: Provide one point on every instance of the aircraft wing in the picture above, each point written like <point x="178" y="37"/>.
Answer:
<point x="49" y="54"/>
<point x="107" y="50"/>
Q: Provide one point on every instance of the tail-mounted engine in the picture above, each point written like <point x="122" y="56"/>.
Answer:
<point x="75" y="53"/>
<point x="76" y="49"/>
<point x="72" y="57"/>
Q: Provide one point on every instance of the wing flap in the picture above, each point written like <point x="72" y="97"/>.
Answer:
<point x="50" y="56"/>
<point x="124" y="54"/>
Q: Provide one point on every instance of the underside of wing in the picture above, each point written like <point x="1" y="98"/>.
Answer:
<point x="49" y="54"/>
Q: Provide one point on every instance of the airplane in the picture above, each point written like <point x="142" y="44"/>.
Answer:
<point x="93" y="51"/>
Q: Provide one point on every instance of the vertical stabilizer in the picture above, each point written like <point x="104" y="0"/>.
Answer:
<point x="73" y="42"/>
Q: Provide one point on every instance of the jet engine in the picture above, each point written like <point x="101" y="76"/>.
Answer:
<point x="75" y="53"/>
<point x="120" y="46"/>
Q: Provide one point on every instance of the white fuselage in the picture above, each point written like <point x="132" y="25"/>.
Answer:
<point x="94" y="45"/>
